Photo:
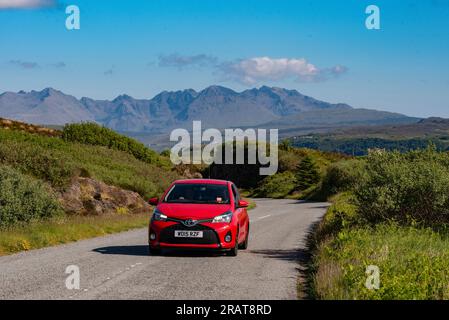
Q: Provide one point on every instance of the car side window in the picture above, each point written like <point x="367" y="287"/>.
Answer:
<point x="236" y="194"/>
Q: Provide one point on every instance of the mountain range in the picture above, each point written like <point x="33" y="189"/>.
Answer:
<point x="216" y="106"/>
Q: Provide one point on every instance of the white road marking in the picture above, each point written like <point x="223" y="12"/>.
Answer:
<point x="268" y="215"/>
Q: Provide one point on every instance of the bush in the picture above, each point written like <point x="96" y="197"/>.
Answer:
<point x="307" y="173"/>
<point x="276" y="186"/>
<point x="288" y="161"/>
<point x="32" y="159"/>
<point x="94" y="134"/>
<point x="404" y="187"/>
<point x="23" y="199"/>
<point x="343" y="176"/>
<point x="341" y="214"/>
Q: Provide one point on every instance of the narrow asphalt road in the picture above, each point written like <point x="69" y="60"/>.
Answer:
<point x="118" y="267"/>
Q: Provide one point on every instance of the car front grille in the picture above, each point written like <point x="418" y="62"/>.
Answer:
<point x="209" y="235"/>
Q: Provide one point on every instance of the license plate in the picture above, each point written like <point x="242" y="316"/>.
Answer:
<point x="188" y="234"/>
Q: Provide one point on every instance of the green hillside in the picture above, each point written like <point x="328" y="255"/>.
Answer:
<point x="52" y="180"/>
<point x="57" y="161"/>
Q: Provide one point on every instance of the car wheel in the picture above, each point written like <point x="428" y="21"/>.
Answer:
<point x="154" y="251"/>
<point x="234" y="251"/>
<point x="244" y="245"/>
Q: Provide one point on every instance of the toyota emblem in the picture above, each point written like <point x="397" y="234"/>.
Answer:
<point x="190" y="222"/>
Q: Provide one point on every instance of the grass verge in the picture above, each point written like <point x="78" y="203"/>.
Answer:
<point x="413" y="264"/>
<point x="66" y="229"/>
<point x="412" y="260"/>
<point x="251" y="203"/>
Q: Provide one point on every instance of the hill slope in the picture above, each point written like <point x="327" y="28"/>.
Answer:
<point x="358" y="140"/>
<point x="58" y="161"/>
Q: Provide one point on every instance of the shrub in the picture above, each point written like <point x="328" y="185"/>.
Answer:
<point x="307" y="173"/>
<point x="341" y="214"/>
<point x="343" y="176"/>
<point x="288" y="161"/>
<point x="23" y="199"/>
<point x="31" y="158"/>
<point x="403" y="187"/>
<point x="276" y="186"/>
<point x="94" y="134"/>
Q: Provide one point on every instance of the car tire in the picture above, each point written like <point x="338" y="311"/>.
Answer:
<point x="244" y="245"/>
<point x="154" y="251"/>
<point x="234" y="251"/>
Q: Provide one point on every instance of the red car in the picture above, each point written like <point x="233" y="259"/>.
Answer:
<point x="199" y="213"/>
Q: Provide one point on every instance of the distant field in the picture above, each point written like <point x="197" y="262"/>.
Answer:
<point x="357" y="140"/>
<point x="361" y="146"/>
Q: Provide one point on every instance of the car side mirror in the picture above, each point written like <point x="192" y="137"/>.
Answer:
<point x="243" y="204"/>
<point x="153" y="201"/>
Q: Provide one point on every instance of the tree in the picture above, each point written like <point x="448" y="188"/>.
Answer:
<point x="307" y="173"/>
<point x="285" y="145"/>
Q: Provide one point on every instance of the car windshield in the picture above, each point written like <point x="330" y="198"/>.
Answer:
<point x="198" y="193"/>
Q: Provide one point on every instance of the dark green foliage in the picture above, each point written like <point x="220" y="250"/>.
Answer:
<point x="23" y="199"/>
<point x="285" y="145"/>
<point x="165" y="153"/>
<point x="307" y="173"/>
<point x="361" y="146"/>
<point x="407" y="186"/>
<point x="36" y="155"/>
<point x="94" y="134"/>
<point x="243" y="175"/>
<point x="343" y="176"/>
<point x="288" y="160"/>
<point x="277" y="186"/>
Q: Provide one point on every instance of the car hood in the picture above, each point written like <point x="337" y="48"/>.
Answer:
<point x="193" y="210"/>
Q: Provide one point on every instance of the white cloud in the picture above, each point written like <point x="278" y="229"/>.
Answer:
<point x="26" y="4"/>
<point x="254" y="70"/>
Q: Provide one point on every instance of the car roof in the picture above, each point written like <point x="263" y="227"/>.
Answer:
<point x="202" y="181"/>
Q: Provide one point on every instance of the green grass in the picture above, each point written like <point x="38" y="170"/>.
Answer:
<point x="276" y="186"/>
<point x="413" y="261"/>
<point x="413" y="264"/>
<point x="251" y="203"/>
<point x="56" y="161"/>
<point x="66" y="229"/>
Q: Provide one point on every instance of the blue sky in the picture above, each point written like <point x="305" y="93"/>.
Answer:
<point x="321" y="48"/>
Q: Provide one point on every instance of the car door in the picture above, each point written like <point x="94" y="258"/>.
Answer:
<point x="241" y="213"/>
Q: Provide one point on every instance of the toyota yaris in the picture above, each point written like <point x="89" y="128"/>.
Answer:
<point x="199" y="213"/>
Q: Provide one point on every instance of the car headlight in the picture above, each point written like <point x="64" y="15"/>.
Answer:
<point x="223" y="218"/>
<point x="159" y="216"/>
